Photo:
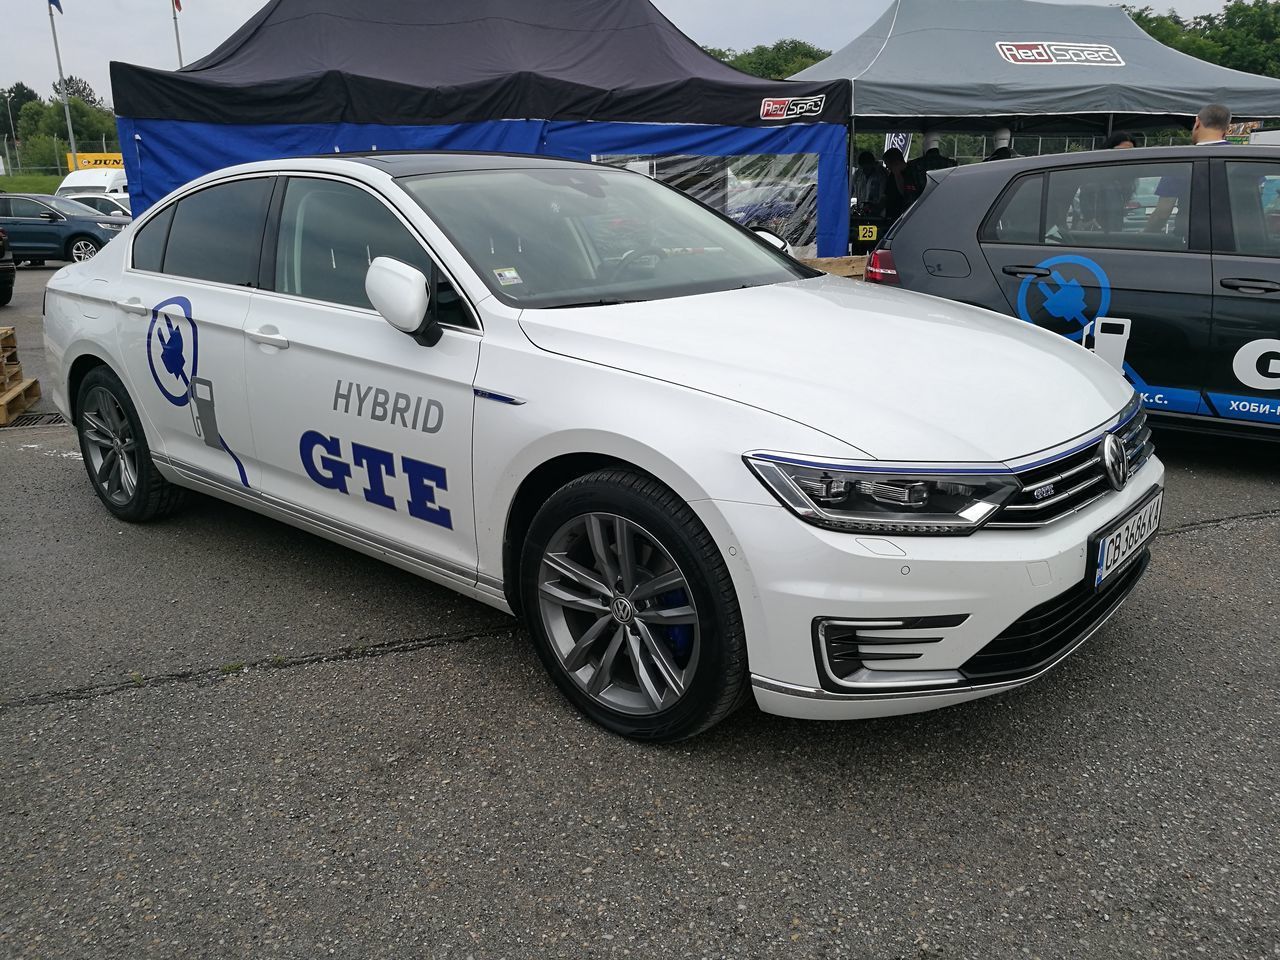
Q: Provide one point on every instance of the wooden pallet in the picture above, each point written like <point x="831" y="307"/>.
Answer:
<point x="8" y="347"/>
<point x="17" y="399"/>
<point x="10" y="374"/>
<point x="853" y="267"/>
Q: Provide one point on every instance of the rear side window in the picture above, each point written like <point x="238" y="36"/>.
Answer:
<point x="1016" y="217"/>
<point x="216" y="234"/>
<point x="1136" y="206"/>
<point x="329" y="234"/>
<point x="148" y="244"/>
<point x="1254" y="191"/>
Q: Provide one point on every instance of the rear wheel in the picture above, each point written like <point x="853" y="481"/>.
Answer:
<point x="632" y="609"/>
<point x="116" y="455"/>
<point x="82" y="248"/>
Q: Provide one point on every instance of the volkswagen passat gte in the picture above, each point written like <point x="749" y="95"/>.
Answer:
<point x="695" y="467"/>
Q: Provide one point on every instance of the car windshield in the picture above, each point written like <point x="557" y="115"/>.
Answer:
<point x="559" y="237"/>
<point x="71" y="208"/>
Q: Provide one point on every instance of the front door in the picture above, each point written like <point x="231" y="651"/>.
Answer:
<point x="182" y="305"/>
<point x="1126" y="241"/>
<point x="356" y="423"/>
<point x="1243" y="378"/>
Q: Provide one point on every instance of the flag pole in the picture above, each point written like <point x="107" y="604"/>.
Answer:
<point x="62" y="84"/>
<point x="177" y="37"/>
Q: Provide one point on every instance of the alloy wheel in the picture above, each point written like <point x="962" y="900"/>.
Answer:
<point x="83" y="250"/>
<point x="620" y="613"/>
<point x="110" y="446"/>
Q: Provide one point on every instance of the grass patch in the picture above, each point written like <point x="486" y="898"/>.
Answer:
<point x="230" y="668"/>
<point x="22" y="183"/>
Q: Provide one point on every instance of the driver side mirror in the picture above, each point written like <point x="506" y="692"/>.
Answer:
<point x="771" y="238"/>
<point x="399" y="292"/>
<point x="50" y="215"/>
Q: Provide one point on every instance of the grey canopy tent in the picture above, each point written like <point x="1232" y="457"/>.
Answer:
<point x="1032" y="67"/>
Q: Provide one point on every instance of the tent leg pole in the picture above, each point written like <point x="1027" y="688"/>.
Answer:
<point x="1110" y="120"/>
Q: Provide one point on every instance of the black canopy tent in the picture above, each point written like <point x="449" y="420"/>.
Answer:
<point x="612" y="81"/>
<point x="1030" y="67"/>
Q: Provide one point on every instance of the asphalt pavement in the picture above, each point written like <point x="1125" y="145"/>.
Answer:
<point x="220" y="736"/>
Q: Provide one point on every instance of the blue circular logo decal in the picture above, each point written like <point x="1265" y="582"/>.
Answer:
<point x="1063" y="296"/>
<point x="173" y="351"/>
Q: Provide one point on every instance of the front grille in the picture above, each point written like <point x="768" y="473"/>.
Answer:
<point x="1067" y="485"/>
<point x="1042" y="633"/>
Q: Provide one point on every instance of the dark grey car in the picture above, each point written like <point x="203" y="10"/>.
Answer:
<point x="1165" y="261"/>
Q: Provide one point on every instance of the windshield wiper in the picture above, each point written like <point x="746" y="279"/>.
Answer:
<point x="603" y="302"/>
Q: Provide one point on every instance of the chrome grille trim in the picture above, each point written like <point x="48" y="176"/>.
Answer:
<point x="1024" y="512"/>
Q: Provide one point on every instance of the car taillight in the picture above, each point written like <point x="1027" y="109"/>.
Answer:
<point x="881" y="268"/>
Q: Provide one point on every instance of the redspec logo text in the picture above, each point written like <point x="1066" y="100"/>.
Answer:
<point x="789" y="108"/>
<point x="1044" y="52"/>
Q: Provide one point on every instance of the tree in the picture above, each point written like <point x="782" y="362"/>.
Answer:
<point x="773" y="62"/>
<point x="1244" y="36"/>
<point x="19" y="95"/>
<point x="77" y="88"/>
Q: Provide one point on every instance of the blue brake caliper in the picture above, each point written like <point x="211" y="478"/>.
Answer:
<point x="679" y="635"/>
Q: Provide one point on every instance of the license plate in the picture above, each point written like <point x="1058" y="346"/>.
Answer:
<point x="1126" y="538"/>
<point x="868" y="231"/>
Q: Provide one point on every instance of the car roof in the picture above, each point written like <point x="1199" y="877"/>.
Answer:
<point x="408" y="163"/>
<point x="1014" y="165"/>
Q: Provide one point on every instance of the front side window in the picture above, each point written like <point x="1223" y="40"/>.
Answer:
<point x="216" y="234"/>
<point x="1254" y="192"/>
<point x="1138" y="206"/>
<point x="548" y="236"/>
<point x="72" y="208"/>
<point x="329" y="234"/>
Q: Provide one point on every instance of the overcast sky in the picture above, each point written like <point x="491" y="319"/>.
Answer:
<point x="94" y="32"/>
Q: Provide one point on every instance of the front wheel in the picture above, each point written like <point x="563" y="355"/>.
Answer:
<point x="632" y="609"/>
<point x="115" y="451"/>
<point x="83" y="248"/>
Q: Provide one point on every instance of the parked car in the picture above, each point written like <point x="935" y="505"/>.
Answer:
<point x="1122" y="251"/>
<point x="112" y="204"/>
<point x="7" y="272"/>
<point x="697" y="468"/>
<point x="43" y="227"/>
<point x="111" y="180"/>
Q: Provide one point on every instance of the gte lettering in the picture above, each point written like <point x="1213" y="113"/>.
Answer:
<point x="1257" y="364"/>
<point x="328" y="466"/>
<point x="375" y="403"/>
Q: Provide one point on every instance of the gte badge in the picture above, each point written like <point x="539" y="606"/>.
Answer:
<point x="1046" y="53"/>
<point x="791" y="108"/>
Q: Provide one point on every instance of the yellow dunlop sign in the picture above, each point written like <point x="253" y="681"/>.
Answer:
<point x="97" y="161"/>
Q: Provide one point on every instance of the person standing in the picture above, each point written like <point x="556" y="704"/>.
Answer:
<point x="869" y="184"/>
<point x="1209" y="130"/>
<point x="900" y="192"/>
<point x="1120" y="140"/>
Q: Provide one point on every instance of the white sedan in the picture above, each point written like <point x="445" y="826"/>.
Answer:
<point x="696" y="468"/>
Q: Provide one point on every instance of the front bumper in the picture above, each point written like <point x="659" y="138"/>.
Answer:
<point x="949" y="619"/>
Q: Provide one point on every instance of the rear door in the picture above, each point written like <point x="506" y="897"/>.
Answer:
<point x="1126" y="241"/>
<point x="1243" y="377"/>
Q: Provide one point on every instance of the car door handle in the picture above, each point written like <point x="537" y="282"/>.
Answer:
<point x="134" y="306"/>
<point x="268" y="338"/>
<point x="1020" y="271"/>
<point x="1250" y="286"/>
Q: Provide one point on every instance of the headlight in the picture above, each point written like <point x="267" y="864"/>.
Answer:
<point x="875" y="497"/>
<point x="111" y="226"/>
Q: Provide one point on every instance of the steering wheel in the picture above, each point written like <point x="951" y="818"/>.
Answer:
<point x="630" y="258"/>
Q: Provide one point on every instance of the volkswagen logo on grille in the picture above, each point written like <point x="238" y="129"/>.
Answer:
<point x="1115" y="460"/>
<point x="622" y="610"/>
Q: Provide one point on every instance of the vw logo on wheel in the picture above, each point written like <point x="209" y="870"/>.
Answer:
<point x="622" y="610"/>
<point x="1115" y="460"/>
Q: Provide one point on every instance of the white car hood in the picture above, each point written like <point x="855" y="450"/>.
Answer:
<point x="899" y="375"/>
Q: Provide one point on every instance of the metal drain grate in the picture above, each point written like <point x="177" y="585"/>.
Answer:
<point x="37" y="420"/>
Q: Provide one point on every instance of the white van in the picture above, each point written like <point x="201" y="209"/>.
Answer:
<point x="94" y="181"/>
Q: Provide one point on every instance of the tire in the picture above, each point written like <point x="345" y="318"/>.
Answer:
<point x="676" y="610"/>
<point x="116" y="455"/>
<point x="82" y="248"/>
<point x="6" y="295"/>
